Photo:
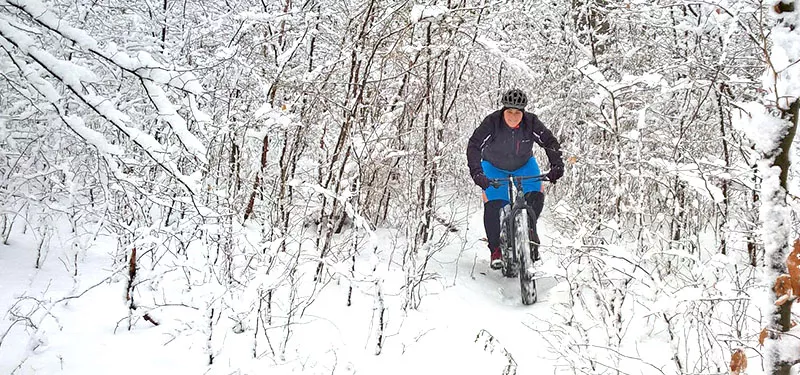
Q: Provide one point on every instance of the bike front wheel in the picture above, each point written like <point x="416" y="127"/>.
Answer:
<point x="522" y="248"/>
<point x="507" y="243"/>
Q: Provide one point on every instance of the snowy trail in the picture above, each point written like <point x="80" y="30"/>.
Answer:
<point x="466" y="299"/>
<point x="472" y="299"/>
<point x="488" y="301"/>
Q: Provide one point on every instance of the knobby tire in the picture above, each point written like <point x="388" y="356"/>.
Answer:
<point x="522" y="248"/>
<point x="507" y="242"/>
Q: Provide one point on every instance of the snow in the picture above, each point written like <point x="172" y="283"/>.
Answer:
<point x="150" y="69"/>
<point x="623" y="296"/>
<point x="465" y="325"/>
<point x="143" y="65"/>
<point x="92" y="137"/>
<point x="261" y="111"/>
<point x="108" y="109"/>
<point x="606" y="87"/>
<point x="470" y="321"/>
<point x="788" y="346"/>
<point x="592" y="72"/>
<point x="421" y="12"/>
<point x="759" y="125"/>
<point x="695" y="177"/>
<point x="178" y="124"/>
<point x="74" y="76"/>
<point x="41" y="13"/>
<point x="40" y="84"/>
<point x="494" y="48"/>
<point x="773" y="214"/>
<point x="784" y="82"/>
<point x="71" y="74"/>
<point x="765" y="128"/>
<point x="198" y="114"/>
<point x="286" y="55"/>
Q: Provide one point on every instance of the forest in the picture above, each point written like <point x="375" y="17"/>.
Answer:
<point x="240" y="186"/>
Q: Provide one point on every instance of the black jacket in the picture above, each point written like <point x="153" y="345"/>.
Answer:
<point x="507" y="148"/>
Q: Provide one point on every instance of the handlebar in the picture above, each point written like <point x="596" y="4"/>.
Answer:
<point x="497" y="182"/>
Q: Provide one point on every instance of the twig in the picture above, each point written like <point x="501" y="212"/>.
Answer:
<point x="620" y="354"/>
<point x="85" y="291"/>
<point x="2" y="338"/>
<point x="150" y="319"/>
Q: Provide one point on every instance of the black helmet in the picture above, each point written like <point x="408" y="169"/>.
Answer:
<point x="514" y="98"/>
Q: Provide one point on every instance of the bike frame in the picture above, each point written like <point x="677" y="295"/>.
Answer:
<point x="517" y="202"/>
<point x="511" y="251"/>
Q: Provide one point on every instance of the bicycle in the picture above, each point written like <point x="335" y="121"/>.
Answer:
<point x="515" y="241"/>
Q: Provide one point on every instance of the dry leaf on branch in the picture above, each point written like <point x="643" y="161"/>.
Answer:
<point x="793" y="265"/>
<point x="738" y="362"/>
<point x="131" y="274"/>
<point x="783" y="289"/>
<point x="762" y="336"/>
<point x="782" y="7"/>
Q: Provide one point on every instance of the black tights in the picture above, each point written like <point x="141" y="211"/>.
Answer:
<point x="491" y="216"/>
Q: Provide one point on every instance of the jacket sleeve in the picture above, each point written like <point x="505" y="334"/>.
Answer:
<point x="475" y="145"/>
<point x="546" y="140"/>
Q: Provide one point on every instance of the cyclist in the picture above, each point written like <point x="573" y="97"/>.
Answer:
<point x="502" y="145"/>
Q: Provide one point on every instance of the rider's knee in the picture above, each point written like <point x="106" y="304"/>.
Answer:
<point x="496" y="204"/>
<point x="535" y="199"/>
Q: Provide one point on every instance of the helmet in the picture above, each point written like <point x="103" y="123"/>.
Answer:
<point x="514" y="98"/>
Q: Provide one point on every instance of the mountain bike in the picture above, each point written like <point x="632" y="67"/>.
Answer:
<point x="518" y="248"/>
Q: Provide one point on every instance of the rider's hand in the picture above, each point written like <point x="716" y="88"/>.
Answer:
<point x="556" y="171"/>
<point x="481" y="180"/>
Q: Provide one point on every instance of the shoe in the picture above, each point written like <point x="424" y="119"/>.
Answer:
<point x="534" y="239"/>
<point x="497" y="259"/>
<point x="537" y="268"/>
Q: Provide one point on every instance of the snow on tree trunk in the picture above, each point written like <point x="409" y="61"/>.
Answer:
<point x="771" y="125"/>
<point x="775" y="218"/>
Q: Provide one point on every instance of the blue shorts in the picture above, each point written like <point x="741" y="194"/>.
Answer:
<point x="529" y="169"/>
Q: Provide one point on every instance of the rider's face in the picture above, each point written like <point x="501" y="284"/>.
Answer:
<point x="512" y="116"/>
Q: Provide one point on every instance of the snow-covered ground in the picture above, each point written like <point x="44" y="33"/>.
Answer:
<point x="469" y="318"/>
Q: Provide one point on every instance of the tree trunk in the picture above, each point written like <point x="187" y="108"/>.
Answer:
<point x="780" y="319"/>
<point x="723" y="244"/>
<point x="259" y="176"/>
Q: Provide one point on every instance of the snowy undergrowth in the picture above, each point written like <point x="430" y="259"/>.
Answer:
<point x="651" y="311"/>
<point x="207" y="306"/>
<point x="636" y="306"/>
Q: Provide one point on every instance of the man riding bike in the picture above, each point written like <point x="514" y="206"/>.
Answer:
<point x="502" y="146"/>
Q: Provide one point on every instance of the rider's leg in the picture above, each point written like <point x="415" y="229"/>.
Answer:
<point x="491" y="221"/>
<point x="532" y="188"/>
<point x="531" y="168"/>
<point x="533" y="198"/>
<point x="495" y="199"/>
